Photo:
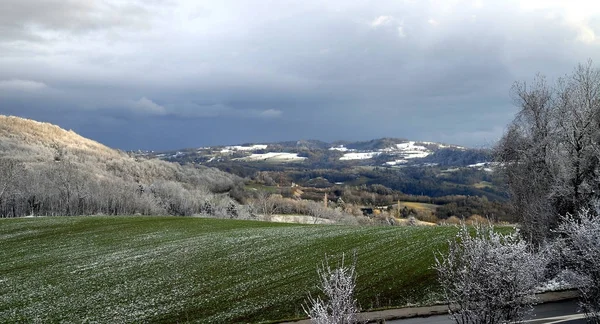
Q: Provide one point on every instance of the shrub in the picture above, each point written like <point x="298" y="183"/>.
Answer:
<point x="580" y="242"/>
<point x="339" y="305"/>
<point x="489" y="277"/>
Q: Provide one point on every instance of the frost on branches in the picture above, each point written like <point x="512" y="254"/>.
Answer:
<point x="489" y="277"/>
<point x="339" y="305"/>
<point x="580" y="241"/>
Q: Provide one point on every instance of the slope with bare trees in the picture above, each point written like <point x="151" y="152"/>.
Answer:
<point x="45" y="170"/>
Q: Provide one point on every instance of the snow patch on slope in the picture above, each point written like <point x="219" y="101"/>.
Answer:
<point x="273" y="156"/>
<point x="410" y="150"/>
<point x="359" y="156"/>
<point x="256" y="147"/>
<point x="340" y="148"/>
<point x="404" y="152"/>
<point x="396" y="162"/>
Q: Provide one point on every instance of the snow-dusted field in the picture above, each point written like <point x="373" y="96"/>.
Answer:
<point x="178" y="269"/>
<point x="300" y="219"/>
<point x="359" y="156"/>
<point x="410" y="150"/>
<point x="340" y="148"/>
<point x="256" y="147"/>
<point x="273" y="156"/>
<point x="485" y="166"/>
<point x="404" y="152"/>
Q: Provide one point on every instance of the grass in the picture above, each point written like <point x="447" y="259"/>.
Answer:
<point x="169" y="269"/>
<point x="419" y="206"/>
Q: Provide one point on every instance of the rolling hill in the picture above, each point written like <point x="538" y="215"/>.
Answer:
<point x="46" y="170"/>
<point x="386" y="152"/>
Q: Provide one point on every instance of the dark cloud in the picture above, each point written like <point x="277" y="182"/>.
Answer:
<point x="168" y="74"/>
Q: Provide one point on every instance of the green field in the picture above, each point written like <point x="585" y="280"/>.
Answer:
<point x="175" y="269"/>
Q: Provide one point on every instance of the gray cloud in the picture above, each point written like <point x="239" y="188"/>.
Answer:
<point x="431" y="70"/>
<point x="21" y="85"/>
<point x="36" y="20"/>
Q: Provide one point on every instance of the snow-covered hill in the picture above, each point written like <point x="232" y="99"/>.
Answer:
<point x="388" y="152"/>
<point x="399" y="153"/>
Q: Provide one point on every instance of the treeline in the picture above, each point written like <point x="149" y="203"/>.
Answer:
<point x="66" y="186"/>
<point x="460" y="206"/>
<point x="458" y="157"/>
<point x="417" y="181"/>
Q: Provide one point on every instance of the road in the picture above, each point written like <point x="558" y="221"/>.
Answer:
<point x="556" y="312"/>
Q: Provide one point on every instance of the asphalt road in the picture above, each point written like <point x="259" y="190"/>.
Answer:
<point x="556" y="312"/>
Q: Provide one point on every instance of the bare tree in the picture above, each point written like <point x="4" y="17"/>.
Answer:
<point x="489" y="277"/>
<point x="580" y="244"/>
<point x="339" y="305"/>
<point x="578" y="108"/>
<point x="549" y="154"/>
<point x="10" y="172"/>
<point x="265" y="205"/>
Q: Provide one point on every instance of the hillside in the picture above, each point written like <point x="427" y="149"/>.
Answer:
<point x="30" y="140"/>
<point x="386" y="152"/>
<point x="411" y="167"/>
<point x="199" y="270"/>
<point x="48" y="170"/>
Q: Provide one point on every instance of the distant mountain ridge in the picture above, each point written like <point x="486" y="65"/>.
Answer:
<point x="387" y="152"/>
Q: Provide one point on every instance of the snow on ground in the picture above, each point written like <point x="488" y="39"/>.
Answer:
<point x="396" y="162"/>
<point x="359" y="156"/>
<point x="340" y="148"/>
<point x="444" y="145"/>
<point x="485" y="166"/>
<point x="410" y="145"/>
<point x="273" y="156"/>
<point x="178" y="154"/>
<point x="255" y="147"/>
<point x="410" y="150"/>
<point x="300" y="219"/>
<point x="566" y="279"/>
<point x="415" y="154"/>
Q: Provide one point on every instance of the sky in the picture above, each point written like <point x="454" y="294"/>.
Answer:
<point x="160" y="75"/>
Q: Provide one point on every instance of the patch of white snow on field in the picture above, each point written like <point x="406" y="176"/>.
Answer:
<point x="396" y="162"/>
<point x="340" y="148"/>
<point x="255" y="147"/>
<point x="485" y="166"/>
<point x="359" y="156"/>
<point x="275" y="156"/>
<point x="439" y="145"/>
<point x="410" y="150"/>
<point x="300" y="219"/>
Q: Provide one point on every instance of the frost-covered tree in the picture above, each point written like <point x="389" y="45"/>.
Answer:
<point x="339" y="305"/>
<point x="265" y="204"/>
<point x="549" y="155"/>
<point x="10" y="173"/>
<point x="489" y="277"/>
<point x="580" y="241"/>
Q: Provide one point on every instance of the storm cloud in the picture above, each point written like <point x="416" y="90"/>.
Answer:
<point x="174" y="73"/>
